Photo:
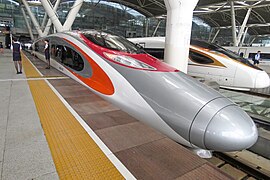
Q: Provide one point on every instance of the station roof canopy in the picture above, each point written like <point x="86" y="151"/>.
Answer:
<point x="214" y="12"/>
<point x="217" y="14"/>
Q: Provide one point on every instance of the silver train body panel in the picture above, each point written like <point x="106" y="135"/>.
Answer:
<point x="190" y="108"/>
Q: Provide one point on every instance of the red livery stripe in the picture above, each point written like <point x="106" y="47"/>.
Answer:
<point x="99" y="81"/>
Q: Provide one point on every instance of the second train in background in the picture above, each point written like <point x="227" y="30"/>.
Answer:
<point x="214" y="63"/>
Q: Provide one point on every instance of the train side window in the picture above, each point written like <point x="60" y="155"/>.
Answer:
<point x="198" y="58"/>
<point x="97" y="39"/>
<point x="41" y="46"/>
<point x="67" y="56"/>
<point x="67" y="60"/>
<point x="58" y="53"/>
<point x="53" y="49"/>
<point x="78" y="62"/>
<point x="263" y="55"/>
<point x="36" y="46"/>
<point x="70" y="58"/>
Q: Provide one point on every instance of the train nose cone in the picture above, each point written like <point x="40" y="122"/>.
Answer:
<point x="222" y="126"/>
<point x="231" y="129"/>
<point x="262" y="80"/>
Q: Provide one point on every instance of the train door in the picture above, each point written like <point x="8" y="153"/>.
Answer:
<point x="243" y="52"/>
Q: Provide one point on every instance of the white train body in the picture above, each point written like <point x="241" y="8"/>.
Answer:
<point x="213" y="63"/>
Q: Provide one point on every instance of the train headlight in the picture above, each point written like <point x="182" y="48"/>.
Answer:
<point x="128" y="61"/>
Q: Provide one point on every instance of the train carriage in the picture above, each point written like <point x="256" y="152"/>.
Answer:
<point x="214" y="63"/>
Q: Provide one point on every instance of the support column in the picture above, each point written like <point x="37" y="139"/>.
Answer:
<point x="253" y="39"/>
<point x="146" y="27"/>
<point x="233" y="24"/>
<point x="210" y="34"/>
<point x="72" y="14"/>
<point x="33" y="18"/>
<point x="27" y="24"/>
<point x="178" y="32"/>
<point x="155" y="31"/>
<point x="44" y="21"/>
<point x="243" y="26"/>
<point x="214" y="38"/>
<point x="244" y="37"/>
<point x="52" y="15"/>
<point x="49" y="23"/>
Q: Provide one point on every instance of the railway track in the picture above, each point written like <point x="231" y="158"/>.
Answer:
<point x="265" y="92"/>
<point x="236" y="165"/>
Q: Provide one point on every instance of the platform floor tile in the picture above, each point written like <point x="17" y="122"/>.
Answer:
<point x="108" y="119"/>
<point x="146" y="160"/>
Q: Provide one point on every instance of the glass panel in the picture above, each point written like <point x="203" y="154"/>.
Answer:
<point x="199" y="58"/>
<point x="217" y="48"/>
<point x="112" y="42"/>
<point x="67" y="56"/>
<point x="78" y="63"/>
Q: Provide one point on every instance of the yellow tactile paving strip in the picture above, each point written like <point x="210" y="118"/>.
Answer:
<point x="75" y="154"/>
<point x="29" y="70"/>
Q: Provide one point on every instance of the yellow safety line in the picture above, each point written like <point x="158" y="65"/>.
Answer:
<point x="29" y="70"/>
<point x="75" y="154"/>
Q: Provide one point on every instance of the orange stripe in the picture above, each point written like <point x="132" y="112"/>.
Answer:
<point x="211" y="51"/>
<point x="224" y="56"/>
<point x="208" y="66"/>
<point x="99" y="80"/>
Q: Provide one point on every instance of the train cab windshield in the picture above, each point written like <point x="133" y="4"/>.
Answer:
<point x="217" y="48"/>
<point x="113" y="42"/>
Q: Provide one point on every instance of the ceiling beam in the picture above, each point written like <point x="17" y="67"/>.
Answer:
<point x="223" y="8"/>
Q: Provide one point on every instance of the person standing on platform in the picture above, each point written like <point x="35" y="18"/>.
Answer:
<point x="257" y="58"/>
<point x="47" y="53"/>
<point x="1" y="48"/>
<point x="16" y="48"/>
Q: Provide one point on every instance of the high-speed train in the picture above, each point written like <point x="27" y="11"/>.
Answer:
<point x="168" y="100"/>
<point x="213" y="63"/>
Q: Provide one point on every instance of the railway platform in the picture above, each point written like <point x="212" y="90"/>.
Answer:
<point x="52" y="127"/>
